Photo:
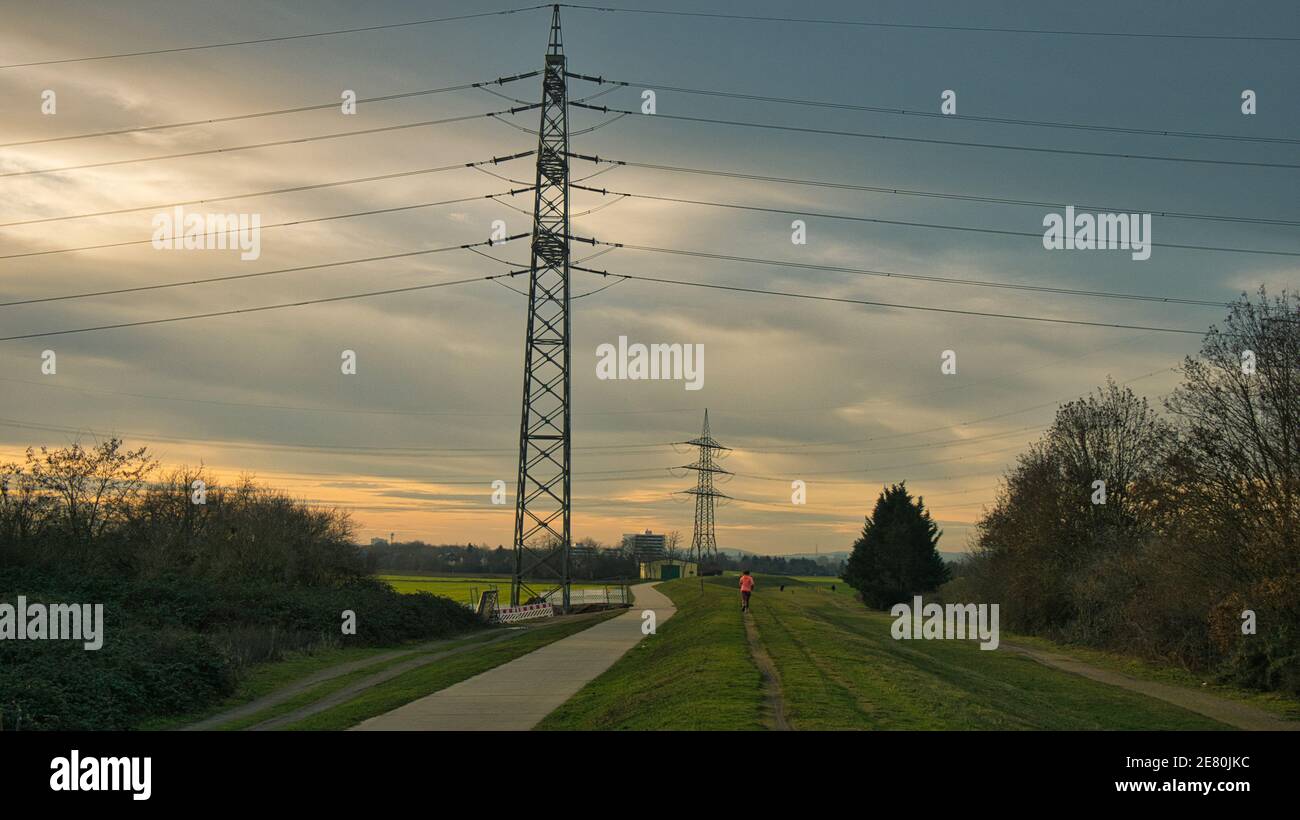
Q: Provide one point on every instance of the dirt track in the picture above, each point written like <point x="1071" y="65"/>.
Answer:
<point x="1231" y="712"/>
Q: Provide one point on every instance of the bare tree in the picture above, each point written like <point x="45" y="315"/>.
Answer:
<point x="673" y="544"/>
<point x="1240" y="409"/>
<point x="1116" y="438"/>
<point x="95" y="487"/>
<point x="25" y="508"/>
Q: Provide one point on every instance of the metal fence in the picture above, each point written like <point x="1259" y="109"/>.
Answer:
<point x="610" y="594"/>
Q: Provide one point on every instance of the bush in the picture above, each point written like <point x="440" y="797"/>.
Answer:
<point x="175" y="645"/>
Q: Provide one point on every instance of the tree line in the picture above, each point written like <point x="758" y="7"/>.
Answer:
<point x="198" y="581"/>
<point x="1167" y="531"/>
<point x="588" y="560"/>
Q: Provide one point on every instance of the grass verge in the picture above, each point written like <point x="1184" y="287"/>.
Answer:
<point x="695" y="673"/>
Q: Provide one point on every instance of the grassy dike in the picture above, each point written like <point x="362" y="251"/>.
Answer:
<point x="839" y="669"/>
<point x="695" y="673"/>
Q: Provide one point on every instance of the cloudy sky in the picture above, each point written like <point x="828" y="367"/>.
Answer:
<point x="844" y="397"/>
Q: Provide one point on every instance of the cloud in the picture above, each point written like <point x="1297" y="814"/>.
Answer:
<point x="413" y="441"/>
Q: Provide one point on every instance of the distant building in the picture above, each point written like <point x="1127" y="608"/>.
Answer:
<point x="667" y="570"/>
<point x="646" y="546"/>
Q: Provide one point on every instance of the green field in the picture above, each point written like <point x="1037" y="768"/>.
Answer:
<point x="825" y="581"/>
<point x="465" y="589"/>
<point x="839" y="668"/>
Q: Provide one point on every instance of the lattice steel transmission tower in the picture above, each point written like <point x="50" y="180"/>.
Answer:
<point x="542" y="534"/>
<point x="704" y="542"/>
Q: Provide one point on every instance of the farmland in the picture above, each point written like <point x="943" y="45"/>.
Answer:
<point x="466" y="589"/>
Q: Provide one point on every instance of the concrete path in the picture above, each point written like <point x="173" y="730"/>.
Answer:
<point x="1231" y="712"/>
<point x="517" y="695"/>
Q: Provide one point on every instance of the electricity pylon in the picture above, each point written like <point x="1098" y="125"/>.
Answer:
<point x="542" y="533"/>
<point x="704" y="542"/>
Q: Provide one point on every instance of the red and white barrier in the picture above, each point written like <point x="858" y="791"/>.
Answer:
<point x="526" y="612"/>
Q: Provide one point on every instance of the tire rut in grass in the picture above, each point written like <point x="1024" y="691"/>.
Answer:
<point x="773" y="700"/>
<point x="831" y="676"/>
<point x="354" y="689"/>
<point x="313" y="680"/>
<point x="1013" y="703"/>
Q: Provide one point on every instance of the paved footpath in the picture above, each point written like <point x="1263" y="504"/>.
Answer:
<point x="515" y="696"/>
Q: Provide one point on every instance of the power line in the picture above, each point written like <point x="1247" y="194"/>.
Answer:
<point x="255" y="405"/>
<point x="658" y="280"/>
<point x="846" y="186"/>
<point x="960" y="424"/>
<point x="273" y="192"/>
<point x="501" y="261"/>
<point x="981" y="420"/>
<point x="962" y="385"/>
<point x="933" y="141"/>
<point x="909" y="223"/>
<point x="599" y="289"/>
<point x="259" y="309"/>
<point x="317" y="409"/>
<point x="785" y="450"/>
<point x="937" y="27"/>
<point x="501" y="177"/>
<point x="386" y="452"/>
<point x="272" y="144"/>
<point x="590" y="211"/>
<point x="942" y="428"/>
<point x="894" y="466"/>
<point x="920" y="277"/>
<point x="279" y="39"/>
<point x="651" y="446"/>
<point x="371" y="212"/>
<point x="277" y="112"/>
<point x="257" y="274"/>
<point x="871" y="303"/>
<point x="859" y="483"/>
<point x="937" y="115"/>
<point x="419" y="479"/>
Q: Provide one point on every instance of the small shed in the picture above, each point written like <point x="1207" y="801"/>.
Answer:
<point x="667" y="569"/>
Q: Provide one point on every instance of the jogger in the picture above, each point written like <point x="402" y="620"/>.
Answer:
<point x="746" y="587"/>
